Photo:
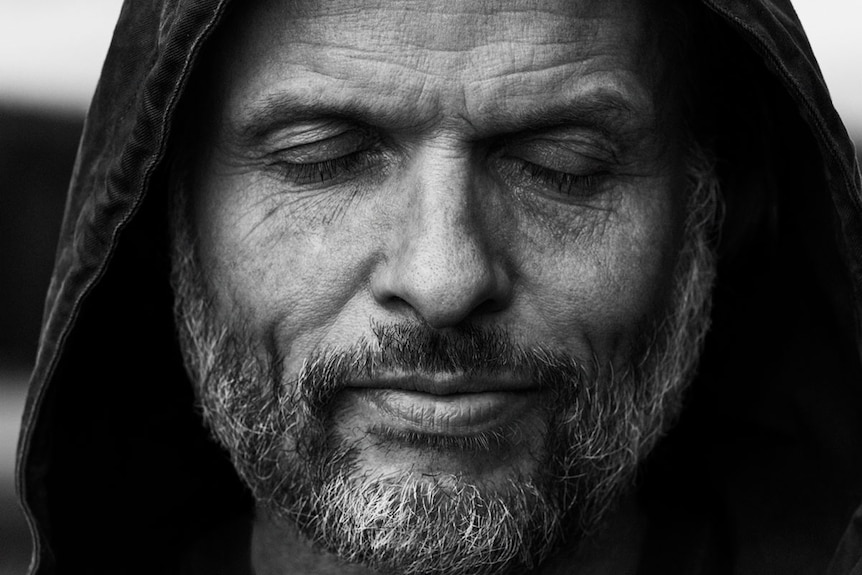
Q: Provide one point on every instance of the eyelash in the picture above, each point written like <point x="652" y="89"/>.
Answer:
<point x="563" y="182"/>
<point x="326" y="170"/>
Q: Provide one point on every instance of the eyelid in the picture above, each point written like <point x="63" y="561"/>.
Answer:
<point x="330" y="169"/>
<point x="324" y="148"/>
<point x="568" y="169"/>
<point x="562" y="148"/>
<point x="307" y="131"/>
<point x="563" y="160"/>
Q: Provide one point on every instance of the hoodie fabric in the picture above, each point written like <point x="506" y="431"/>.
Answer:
<point x="762" y="474"/>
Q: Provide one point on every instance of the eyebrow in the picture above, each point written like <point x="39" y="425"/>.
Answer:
<point x="280" y="110"/>
<point x="606" y="111"/>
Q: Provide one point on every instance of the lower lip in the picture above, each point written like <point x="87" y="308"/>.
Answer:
<point x="455" y="414"/>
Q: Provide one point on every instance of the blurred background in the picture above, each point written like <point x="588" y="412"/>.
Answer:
<point x="51" y="52"/>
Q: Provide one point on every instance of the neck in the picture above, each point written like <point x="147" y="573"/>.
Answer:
<point x="277" y="549"/>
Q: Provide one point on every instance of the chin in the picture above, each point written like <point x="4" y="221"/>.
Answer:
<point x="491" y="453"/>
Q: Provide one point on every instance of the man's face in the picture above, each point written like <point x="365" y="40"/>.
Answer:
<point x="437" y="251"/>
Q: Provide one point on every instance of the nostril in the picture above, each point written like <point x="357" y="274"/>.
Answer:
<point x="442" y="296"/>
<point x="491" y="306"/>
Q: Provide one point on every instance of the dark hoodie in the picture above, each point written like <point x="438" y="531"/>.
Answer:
<point x="761" y="475"/>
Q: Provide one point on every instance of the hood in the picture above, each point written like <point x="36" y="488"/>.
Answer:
<point x="762" y="473"/>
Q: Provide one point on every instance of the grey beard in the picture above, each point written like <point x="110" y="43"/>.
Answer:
<point x="599" y="425"/>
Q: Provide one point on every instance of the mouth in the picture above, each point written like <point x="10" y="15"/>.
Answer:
<point x="446" y="404"/>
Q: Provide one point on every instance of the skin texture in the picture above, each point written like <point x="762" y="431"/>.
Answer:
<point x="491" y="165"/>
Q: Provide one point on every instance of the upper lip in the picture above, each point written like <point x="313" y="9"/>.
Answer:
<point x="445" y="383"/>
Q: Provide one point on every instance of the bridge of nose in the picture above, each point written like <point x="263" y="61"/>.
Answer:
<point x="443" y="260"/>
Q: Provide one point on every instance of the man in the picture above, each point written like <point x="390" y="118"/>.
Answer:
<point x="442" y="275"/>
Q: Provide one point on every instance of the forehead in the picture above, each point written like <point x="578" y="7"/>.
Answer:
<point x="410" y="62"/>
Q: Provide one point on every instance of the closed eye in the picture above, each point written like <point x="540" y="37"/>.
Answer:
<point x="568" y="184"/>
<point x="340" y="168"/>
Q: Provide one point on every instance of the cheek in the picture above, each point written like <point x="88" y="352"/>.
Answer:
<point x="265" y="265"/>
<point x="602" y="288"/>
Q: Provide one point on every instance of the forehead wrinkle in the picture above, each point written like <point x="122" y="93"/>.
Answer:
<point x="393" y="26"/>
<point x="419" y="71"/>
<point x="281" y="105"/>
<point x="340" y="62"/>
<point x="510" y="57"/>
<point x="529" y="66"/>
<point x="488" y="107"/>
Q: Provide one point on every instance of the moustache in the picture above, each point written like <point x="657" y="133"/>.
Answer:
<point x="411" y="348"/>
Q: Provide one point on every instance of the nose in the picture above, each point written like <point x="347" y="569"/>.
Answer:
<point x="447" y="259"/>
